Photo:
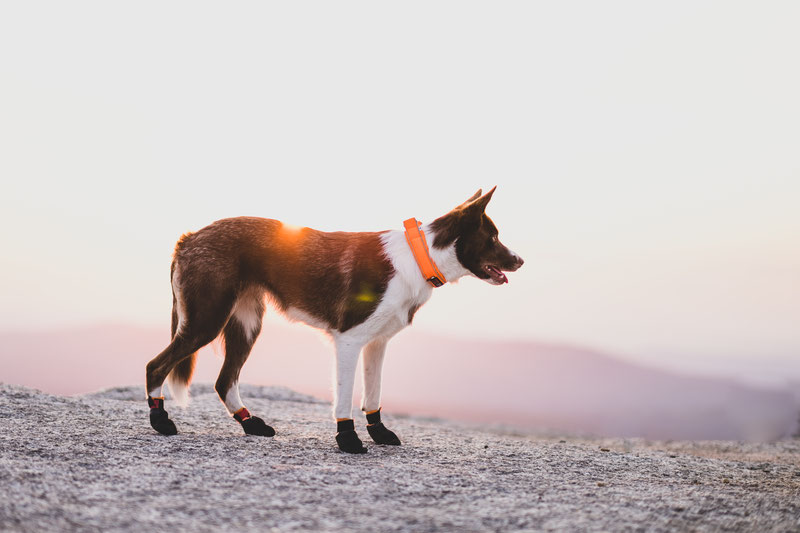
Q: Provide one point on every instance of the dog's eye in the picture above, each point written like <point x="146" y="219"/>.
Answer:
<point x="495" y="239"/>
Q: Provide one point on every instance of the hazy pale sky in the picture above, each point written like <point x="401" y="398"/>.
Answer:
<point x="646" y="157"/>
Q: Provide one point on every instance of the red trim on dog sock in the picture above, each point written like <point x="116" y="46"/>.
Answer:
<point x="241" y="415"/>
<point x="155" y="403"/>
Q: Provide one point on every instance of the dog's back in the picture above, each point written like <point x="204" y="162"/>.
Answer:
<point x="337" y="278"/>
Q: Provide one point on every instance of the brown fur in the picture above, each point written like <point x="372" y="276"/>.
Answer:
<point x="337" y="278"/>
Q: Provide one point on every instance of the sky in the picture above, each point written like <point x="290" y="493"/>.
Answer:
<point x="646" y="157"/>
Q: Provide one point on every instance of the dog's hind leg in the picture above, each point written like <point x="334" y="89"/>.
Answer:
<point x="240" y="334"/>
<point x="202" y="325"/>
<point x="373" y="356"/>
<point x="181" y="374"/>
<point x="346" y="361"/>
<point x="157" y="371"/>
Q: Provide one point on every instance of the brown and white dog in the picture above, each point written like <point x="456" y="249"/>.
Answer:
<point x="361" y="288"/>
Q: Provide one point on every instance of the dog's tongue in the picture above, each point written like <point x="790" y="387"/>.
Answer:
<point x="498" y="274"/>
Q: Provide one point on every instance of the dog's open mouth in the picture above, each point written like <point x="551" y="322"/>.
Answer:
<point x="495" y="274"/>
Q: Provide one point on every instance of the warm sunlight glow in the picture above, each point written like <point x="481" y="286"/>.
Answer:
<point x="289" y="231"/>
<point x="290" y="228"/>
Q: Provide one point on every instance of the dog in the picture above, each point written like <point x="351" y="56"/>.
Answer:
<point x="361" y="288"/>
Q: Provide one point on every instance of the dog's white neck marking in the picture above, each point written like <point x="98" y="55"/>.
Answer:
<point x="406" y="267"/>
<point x="406" y="292"/>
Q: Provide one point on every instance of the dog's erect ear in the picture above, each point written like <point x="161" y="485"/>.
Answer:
<point x="479" y="205"/>
<point x="471" y="198"/>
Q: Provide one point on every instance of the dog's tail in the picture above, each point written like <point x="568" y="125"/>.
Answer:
<point x="181" y="375"/>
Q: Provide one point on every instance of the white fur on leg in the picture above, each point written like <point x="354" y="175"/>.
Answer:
<point x="248" y="311"/>
<point x="232" y="400"/>
<point x="155" y="393"/>
<point x="179" y="391"/>
<point x="373" y="356"/>
<point x="176" y="292"/>
<point x="346" y="361"/>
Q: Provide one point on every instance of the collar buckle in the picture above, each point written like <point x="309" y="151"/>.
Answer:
<point x="436" y="282"/>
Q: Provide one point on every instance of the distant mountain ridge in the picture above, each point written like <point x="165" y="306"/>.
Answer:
<point x="527" y="384"/>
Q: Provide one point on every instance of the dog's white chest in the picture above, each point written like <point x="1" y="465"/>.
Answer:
<point x="395" y="311"/>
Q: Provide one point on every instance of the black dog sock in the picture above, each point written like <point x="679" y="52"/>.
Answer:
<point x="374" y="417"/>
<point x="252" y="425"/>
<point x="346" y="437"/>
<point x="380" y="433"/>
<point x="159" y="419"/>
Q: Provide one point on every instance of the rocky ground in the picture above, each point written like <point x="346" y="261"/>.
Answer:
<point x="92" y="463"/>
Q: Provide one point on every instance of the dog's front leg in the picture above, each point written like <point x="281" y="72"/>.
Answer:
<point x="346" y="360"/>
<point x="374" y="353"/>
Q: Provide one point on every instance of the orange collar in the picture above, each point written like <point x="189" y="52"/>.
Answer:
<point x="419" y="247"/>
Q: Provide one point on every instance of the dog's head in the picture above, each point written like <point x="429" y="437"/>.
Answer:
<point x="477" y="246"/>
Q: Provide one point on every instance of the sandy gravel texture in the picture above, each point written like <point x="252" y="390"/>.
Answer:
<point x="92" y="463"/>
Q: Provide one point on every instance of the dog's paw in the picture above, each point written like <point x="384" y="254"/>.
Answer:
<point x="160" y="421"/>
<point x="349" y="442"/>
<point x="382" y="435"/>
<point x="256" y="426"/>
<point x="346" y="437"/>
